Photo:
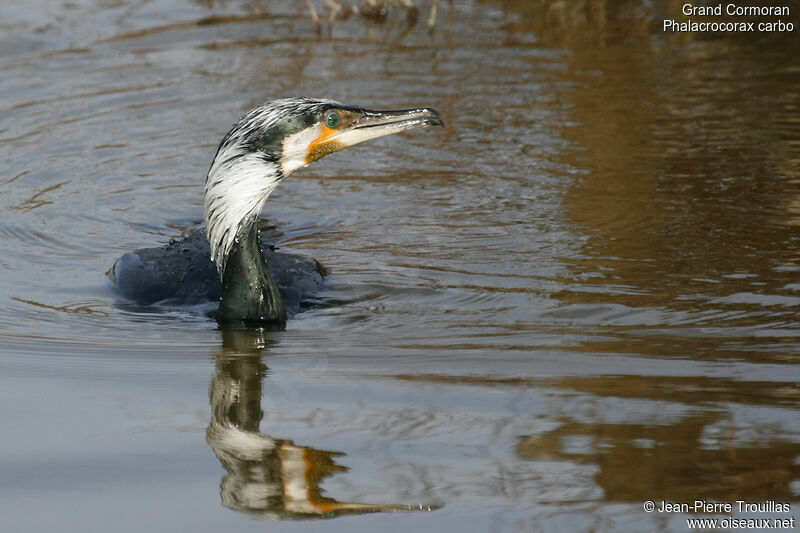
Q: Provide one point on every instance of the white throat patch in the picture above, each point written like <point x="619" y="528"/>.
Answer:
<point x="295" y="148"/>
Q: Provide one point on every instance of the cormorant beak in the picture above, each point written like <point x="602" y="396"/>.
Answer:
<point x="374" y="124"/>
<point x="363" y="124"/>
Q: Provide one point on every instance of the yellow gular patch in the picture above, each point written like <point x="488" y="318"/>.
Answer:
<point x="323" y="145"/>
<point x="328" y="141"/>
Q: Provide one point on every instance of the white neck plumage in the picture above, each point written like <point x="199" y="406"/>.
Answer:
<point x="237" y="187"/>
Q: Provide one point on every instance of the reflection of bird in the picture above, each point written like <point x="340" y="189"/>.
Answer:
<point x="264" y="147"/>
<point x="267" y="478"/>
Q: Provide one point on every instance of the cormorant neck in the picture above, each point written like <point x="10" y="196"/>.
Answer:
<point x="249" y="294"/>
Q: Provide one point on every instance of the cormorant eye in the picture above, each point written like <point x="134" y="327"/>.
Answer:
<point x="332" y="120"/>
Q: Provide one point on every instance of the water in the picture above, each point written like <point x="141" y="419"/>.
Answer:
<point x="580" y="295"/>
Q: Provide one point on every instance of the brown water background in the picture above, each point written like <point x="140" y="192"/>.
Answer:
<point x="581" y="295"/>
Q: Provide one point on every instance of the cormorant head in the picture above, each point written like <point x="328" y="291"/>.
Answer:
<point x="272" y="141"/>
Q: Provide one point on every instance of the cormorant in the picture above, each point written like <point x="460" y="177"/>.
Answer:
<point x="252" y="282"/>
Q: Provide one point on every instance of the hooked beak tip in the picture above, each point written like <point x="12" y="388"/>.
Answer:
<point x="435" y="119"/>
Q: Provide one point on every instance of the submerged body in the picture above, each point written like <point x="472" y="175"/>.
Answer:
<point x="182" y="273"/>
<point x="255" y="285"/>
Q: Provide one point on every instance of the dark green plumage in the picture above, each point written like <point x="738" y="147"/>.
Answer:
<point x="181" y="273"/>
